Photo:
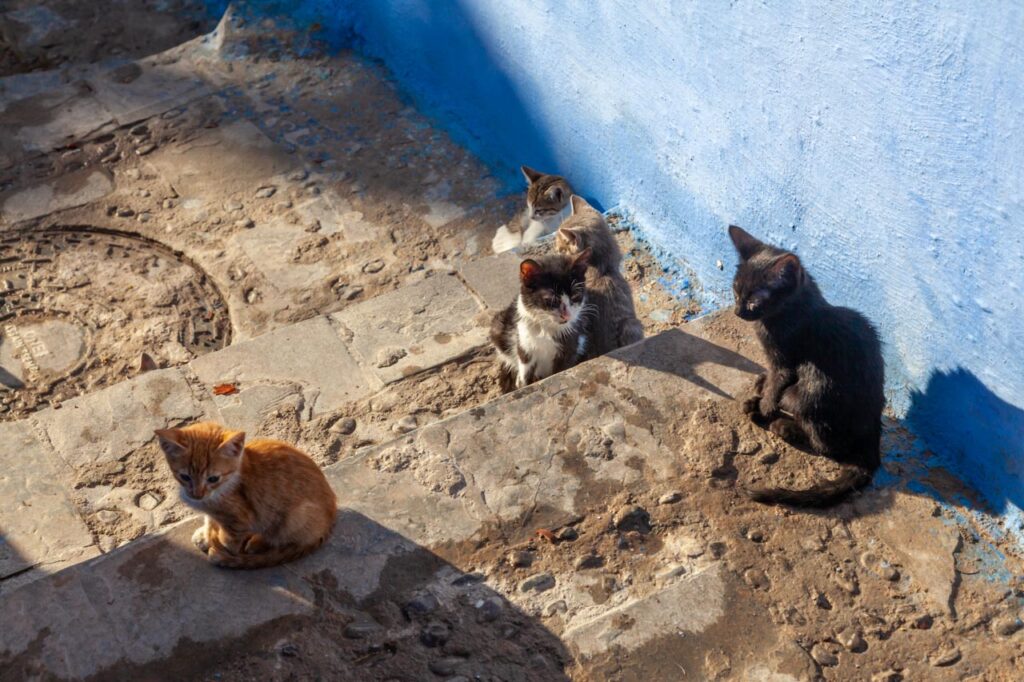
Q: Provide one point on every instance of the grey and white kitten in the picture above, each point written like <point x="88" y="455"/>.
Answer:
<point x="547" y="205"/>
<point x="614" y="323"/>
<point x="538" y="334"/>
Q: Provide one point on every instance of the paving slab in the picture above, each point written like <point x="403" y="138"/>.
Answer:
<point x="310" y="354"/>
<point x="105" y="426"/>
<point x="38" y="115"/>
<point x="233" y="159"/>
<point x="415" y="327"/>
<point x="74" y="189"/>
<point x="269" y="248"/>
<point x="495" y="279"/>
<point x="138" y="90"/>
<point x="39" y="526"/>
<point x="335" y="214"/>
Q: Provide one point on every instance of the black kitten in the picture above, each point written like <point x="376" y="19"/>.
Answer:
<point x="538" y="334"/>
<point x="825" y="379"/>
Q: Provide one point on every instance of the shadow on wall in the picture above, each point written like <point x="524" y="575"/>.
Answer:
<point x="975" y="433"/>
<point x="491" y="118"/>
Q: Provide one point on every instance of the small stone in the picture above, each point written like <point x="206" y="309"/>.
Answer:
<point x="344" y="426"/>
<point x="923" y="622"/>
<point x="540" y="582"/>
<point x="149" y="501"/>
<point x="168" y="203"/>
<point x="878" y="566"/>
<point x="421" y="603"/>
<point x="670" y="498"/>
<point x="145" y="149"/>
<point x="1006" y="626"/>
<point x="718" y="549"/>
<point x="233" y="206"/>
<point x="821" y="601"/>
<point x="133" y="173"/>
<point x="266" y="192"/>
<point x="376" y="265"/>
<point x="289" y="651"/>
<point x="568" y="534"/>
<point x="360" y="630"/>
<point x="353" y="292"/>
<point x="588" y="561"/>
<point x="616" y="430"/>
<point x="125" y="213"/>
<point x="756" y="578"/>
<point x="434" y="634"/>
<point x="632" y="517"/>
<point x="755" y="535"/>
<point x="405" y="424"/>
<point x="673" y="571"/>
<point x="489" y="610"/>
<point x="246" y="223"/>
<point x="520" y="559"/>
<point x="943" y="656"/>
<point x="555" y="607"/>
<point x="443" y="667"/>
<point x="846" y="578"/>
<point x="853" y="640"/>
<point x="823" y="656"/>
<point x="107" y="516"/>
<point x="144" y="217"/>
<point x="107" y="543"/>
<point x="298" y="176"/>
<point x="889" y="675"/>
<point x="283" y="205"/>
<point x="386" y="357"/>
<point x="769" y="458"/>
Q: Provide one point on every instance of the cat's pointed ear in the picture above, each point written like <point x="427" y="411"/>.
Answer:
<point x="578" y="204"/>
<point x="570" y="236"/>
<point x="170" y="442"/>
<point x="233" y="445"/>
<point x="746" y="244"/>
<point x="531" y="175"/>
<point x="529" y="271"/>
<point x="787" y="270"/>
<point x="556" y="194"/>
<point x="580" y="263"/>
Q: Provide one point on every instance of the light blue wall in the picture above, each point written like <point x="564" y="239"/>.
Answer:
<point x="883" y="141"/>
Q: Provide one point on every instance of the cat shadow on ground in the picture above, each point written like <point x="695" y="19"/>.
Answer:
<point x="370" y="604"/>
<point x="976" y="436"/>
<point x="689" y="357"/>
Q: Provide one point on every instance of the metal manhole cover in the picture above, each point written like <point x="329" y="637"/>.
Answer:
<point x="79" y="306"/>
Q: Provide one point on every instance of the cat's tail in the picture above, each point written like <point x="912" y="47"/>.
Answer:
<point x="272" y="557"/>
<point x="823" y="494"/>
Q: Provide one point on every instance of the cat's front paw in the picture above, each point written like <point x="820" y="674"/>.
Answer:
<point x="752" y="406"/>
<point x="788" y="430"/>
<point x="759" y="383"/>
<point x="505" y="240"/>
<point x="200" y="540"/>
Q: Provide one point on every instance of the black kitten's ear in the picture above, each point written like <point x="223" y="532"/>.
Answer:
<point x="578" y="203"/>
<point x="529" y="272"/>
<point x="746" y="245"/>
<point x="787" y="270"/>
<point x="531" y="175"/>
<point x="580" y="263"/>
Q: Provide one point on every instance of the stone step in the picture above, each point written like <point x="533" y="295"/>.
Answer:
<point x="68" y="462"/>
<point x="414" y="511"/>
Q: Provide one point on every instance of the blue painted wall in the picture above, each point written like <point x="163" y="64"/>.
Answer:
<point x="884" y="142"/>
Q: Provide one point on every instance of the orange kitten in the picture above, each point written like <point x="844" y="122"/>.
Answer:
<point x="265" y="502"/>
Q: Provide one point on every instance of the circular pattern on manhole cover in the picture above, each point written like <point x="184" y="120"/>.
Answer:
<point x="79" y="306"/>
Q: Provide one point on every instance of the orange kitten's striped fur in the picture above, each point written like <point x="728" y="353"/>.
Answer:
<point x="265" y="502"/>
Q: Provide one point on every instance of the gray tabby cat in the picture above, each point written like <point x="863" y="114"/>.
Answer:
<point x="615" y="324"/>
<point x="547" y="205"/>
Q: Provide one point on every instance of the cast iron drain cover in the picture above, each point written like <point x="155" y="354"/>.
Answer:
<point x="79" y="306"/>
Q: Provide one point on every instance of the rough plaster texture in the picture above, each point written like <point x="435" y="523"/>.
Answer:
<point x="882" y="143"/>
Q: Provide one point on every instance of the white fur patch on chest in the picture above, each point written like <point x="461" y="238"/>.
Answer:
<point x="538" y="344"/>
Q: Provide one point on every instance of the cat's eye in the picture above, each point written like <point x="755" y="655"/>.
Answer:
<point x="212" y="479"/>
<point x="185" y="478"/>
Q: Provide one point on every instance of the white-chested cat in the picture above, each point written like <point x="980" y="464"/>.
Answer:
<point x="547" y="205"/>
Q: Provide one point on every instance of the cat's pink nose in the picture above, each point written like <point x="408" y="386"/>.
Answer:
<point x="564" y="312"/>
